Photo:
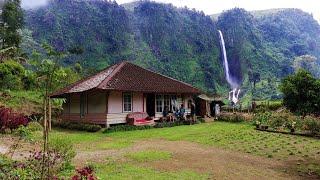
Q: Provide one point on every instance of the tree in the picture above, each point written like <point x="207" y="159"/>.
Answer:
<point x="11" y="75"/>
<point x="301" y="93"/>
<point x="48" y="72"/>
<point x="254" y="77"/>
<point x="12" y="21"/>
<point x="308" y="63"/>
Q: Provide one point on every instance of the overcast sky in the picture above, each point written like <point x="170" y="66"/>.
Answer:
<point x="217" y="6"/>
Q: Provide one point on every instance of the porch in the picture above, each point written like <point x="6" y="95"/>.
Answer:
<point x="112" y="107"/>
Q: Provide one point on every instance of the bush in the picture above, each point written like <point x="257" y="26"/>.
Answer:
<point x="170" y="124"/>
<point x="285" y="120"/>
<point x="261" y="118"/>
<point x="10" y="119"/>
<point x="126" y="128"/>
<point x="64" y="148"/>
<point x="84" y="173"/>
<point x="22" y="131"/>
<point x="11" y="73"/>
<point x="77" y="126"/>
<point x="234" y="118"/>
<point x="312" y="124"/>
<point x="34" y="126"/>
<point x="278" y="121"/>
<point x="201" y="120"/>
<point x="275" y="105"/>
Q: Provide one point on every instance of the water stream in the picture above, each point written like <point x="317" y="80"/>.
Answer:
<point x="234" y="93"/>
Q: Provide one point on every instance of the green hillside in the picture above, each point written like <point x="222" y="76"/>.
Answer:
<point x="180" y="42"/>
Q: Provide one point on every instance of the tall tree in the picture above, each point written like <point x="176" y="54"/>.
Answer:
<point x="12" y="21"/>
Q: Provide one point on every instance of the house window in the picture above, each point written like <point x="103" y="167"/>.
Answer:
<point x="127" y="102"/>
<point x="169" y="101"/>
<point x="159" y="104"/>
<point x="166" y="101"/>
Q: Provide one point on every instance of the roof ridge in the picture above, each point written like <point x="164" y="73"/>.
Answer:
<point x="114" y="72"/>
<point x="80" y="81"/>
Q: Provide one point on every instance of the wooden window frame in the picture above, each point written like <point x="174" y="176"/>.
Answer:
<point x="123" y="103"/>
<point x="156" y="103"/>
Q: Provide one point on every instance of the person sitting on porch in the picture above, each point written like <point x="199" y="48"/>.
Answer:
<point x="182" y="111"/>
<point x="167" y="115"/>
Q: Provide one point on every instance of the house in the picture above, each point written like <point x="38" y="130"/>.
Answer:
<point x="107" y="97"/>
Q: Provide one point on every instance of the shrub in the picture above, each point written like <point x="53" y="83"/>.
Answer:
<point x="11" y="73"/>
<point x="64" y="148"/>
<point x="92" y="128"/>
<point x="201" y="120"/>
<point x="77" y="126"/>
<point x="22" y="131"/>
<point x="11" y="120"/>
<point x="171" y="124"/>
<point x="34" y="126"/>
<point x="126" y="128"/>
<point x="84" y="173"/>
<point x="278" y="121"/>
<point x="261" y="118"/>
<point x="275" y="105"/>
<point x="234" y="118"/>
<point x="312" y="124"/>
<point x="31" y="168"/>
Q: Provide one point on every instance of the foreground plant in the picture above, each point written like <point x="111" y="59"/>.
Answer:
<point x="85" y="173"/>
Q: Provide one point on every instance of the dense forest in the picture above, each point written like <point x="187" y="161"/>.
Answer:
<point x="262" y="48"/>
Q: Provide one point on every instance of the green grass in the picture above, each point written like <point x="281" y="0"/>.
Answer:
<point x="236" y="137"/>
<point x="239" y="137"/>
<point x="149" y="155"/>
<point x="115" y="170"/>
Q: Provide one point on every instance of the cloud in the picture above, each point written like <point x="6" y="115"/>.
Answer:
<point x="32" y="4"/>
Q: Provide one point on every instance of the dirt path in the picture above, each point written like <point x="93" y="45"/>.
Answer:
<point x="219" y="163"/>
<point x="21" y="152"/>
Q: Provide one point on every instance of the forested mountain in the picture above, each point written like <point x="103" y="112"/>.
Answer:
<point x="179" y="42"/>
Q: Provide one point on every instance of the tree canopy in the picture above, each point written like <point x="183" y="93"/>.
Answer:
<point x="301" y="93"/>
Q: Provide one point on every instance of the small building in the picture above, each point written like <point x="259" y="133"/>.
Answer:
<point x="107" y="97"/>
<point x="208" y="105"/>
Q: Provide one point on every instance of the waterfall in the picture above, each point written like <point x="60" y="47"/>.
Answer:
<point x="234" y="93"/>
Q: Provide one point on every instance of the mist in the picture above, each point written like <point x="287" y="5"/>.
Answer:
<point x="32" y="4"/>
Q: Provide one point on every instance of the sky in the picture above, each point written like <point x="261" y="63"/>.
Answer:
<point x="217" y="6"/>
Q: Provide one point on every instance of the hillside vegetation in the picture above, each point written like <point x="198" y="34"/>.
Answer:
<point x="179" y="42"/>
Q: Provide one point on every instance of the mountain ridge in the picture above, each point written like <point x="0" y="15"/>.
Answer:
<point x="179" y="42"/>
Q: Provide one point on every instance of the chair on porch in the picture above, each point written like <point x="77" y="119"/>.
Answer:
<point x="139" y="119"/>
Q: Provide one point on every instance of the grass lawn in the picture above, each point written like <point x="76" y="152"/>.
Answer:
<point x="303" y="152"/>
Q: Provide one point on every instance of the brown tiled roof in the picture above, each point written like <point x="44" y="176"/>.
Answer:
<point x="126" y="76"/>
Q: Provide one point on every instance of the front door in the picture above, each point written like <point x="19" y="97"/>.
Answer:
<point x="150" y="104"/>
